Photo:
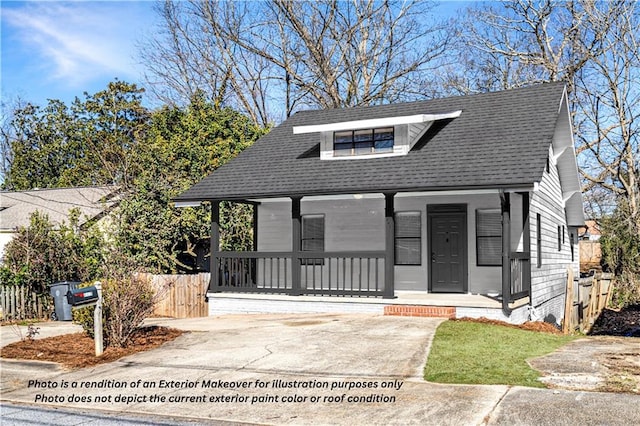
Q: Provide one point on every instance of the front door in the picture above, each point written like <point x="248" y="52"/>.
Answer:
<point x="447" y="227"/>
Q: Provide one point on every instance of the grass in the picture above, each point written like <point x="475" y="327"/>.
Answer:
<point x="476" y="353"/>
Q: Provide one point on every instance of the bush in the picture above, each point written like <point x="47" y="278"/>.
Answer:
<point x="43" y="253"/>
<point x="626" y="290"/>
<point x="620" y="244"/>
<point x="126" y="303"/>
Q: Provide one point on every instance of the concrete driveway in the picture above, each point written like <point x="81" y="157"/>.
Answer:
<point x="298" y="369"/>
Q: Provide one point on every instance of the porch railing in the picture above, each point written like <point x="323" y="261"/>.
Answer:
<point x="520" y="274"/>
<point x="321" y="273"/>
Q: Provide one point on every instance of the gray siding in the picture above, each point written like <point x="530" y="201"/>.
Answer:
<point x="481" y="279"/>
<point x="349" y="224"/>
<point x="358" y="224"/>
<point x="549" y="281"/>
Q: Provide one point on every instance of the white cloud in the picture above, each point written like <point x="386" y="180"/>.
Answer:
<point x="77" y="42"/>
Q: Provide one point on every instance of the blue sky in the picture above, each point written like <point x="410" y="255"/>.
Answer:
<point x="58" y="50"/>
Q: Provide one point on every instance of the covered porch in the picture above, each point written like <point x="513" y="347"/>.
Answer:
<point x="370" y="275"/>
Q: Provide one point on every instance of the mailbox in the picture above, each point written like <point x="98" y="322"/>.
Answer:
<point x="82" y="296"/>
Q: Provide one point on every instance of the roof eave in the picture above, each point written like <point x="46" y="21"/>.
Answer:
<point x="519" y="187"/>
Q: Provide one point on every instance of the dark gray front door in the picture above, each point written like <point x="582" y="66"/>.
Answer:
<point x="448" y="248"/>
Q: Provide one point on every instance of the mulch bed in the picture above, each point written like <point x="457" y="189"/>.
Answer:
<point x="624" y="322"/>
<point x="78" y="350"/>
<point x="538" y="326"/>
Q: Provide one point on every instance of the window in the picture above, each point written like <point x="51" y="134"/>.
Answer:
<point x="488" y="237"/>
<point x="408" y="244"/>
<point x="539" y="238"/>
<point x="560" y="238"/>
<point x="312" y="237"/>
<point x="571" y="245"/>
<point x="363" y="141"/>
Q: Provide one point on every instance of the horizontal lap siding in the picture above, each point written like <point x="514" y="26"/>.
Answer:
<point x="481" y="279"/>
<point x="549" y="281"/>
<point x="358" y="224"/>
<point x="350" y="225"/>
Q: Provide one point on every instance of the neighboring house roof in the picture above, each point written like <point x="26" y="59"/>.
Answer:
<point x="16" y="207"/>
<point x="591" y="230"/>
<point x="500" y="140"/>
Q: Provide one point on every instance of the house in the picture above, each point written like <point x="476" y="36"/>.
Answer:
<point x="462" y="206"/>
<point x="16" y="207"/>
<point x="590" y="231"/>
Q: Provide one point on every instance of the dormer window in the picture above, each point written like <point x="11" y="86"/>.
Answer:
<point x="363" y="141"/>
<point x="372" y="137"/>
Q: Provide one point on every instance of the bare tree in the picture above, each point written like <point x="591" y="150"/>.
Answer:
<point x="608" y="116"/>
<point x="525" y="42"/>
<point x="590" y="45"/>
<point x="275" y="57"/>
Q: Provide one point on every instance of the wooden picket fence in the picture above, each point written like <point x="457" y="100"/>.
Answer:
<point x="180" y="296"/>
<point x="19" y="303"/>
<point x="586" y="299"/>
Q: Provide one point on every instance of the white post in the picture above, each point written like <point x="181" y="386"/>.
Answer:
<point x="97" y="321"/>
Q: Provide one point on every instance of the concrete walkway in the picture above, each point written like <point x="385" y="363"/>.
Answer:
<point x="301" y="369"/>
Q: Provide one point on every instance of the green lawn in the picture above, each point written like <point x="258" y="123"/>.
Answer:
<point x="476" y="353"/>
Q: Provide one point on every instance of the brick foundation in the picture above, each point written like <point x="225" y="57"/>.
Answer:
<point x="420" y="311"/>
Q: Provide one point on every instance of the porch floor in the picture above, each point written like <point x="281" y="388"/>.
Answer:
<point x="406" y="303"/>
<point x="417" y="298"/>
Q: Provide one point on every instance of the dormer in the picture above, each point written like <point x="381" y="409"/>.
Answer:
<point x="372" y="138"/>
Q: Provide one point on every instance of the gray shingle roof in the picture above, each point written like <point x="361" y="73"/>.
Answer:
<point x="16" y="207"/>
<point x="500" y="140"/>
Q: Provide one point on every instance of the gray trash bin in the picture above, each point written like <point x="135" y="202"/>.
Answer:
<point x="59" y="292"/>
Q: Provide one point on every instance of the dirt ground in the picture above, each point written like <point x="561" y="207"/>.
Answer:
<point x="623" y="366"/>
<point x="607" y="361"/>
<point x="625" y="322"/>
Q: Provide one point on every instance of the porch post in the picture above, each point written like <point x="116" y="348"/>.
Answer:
<point x="296" y="246"/>
<point x="255" y="227"/>
<point x="389" y="241"/>
<point x="215" y="246"/>
<point x="505" y="207"/>
<point x="526" y="240"/>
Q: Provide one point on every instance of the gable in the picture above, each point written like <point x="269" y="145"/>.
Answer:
<point x="499" y="140"/>
<point x="564" y="156"/>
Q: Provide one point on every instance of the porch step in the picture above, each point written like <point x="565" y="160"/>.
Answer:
<point x="420" y="311"/>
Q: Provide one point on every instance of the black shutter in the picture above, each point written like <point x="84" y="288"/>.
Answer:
<point x="408" y="241"/>
<point x="488" y="237"/>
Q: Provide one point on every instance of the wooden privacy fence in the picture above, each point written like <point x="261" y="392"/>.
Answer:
<point x="19" y="303"/>
<point x="180" y="296"/>
<point x="590" y="255"/>
<point x="586" y="299"/>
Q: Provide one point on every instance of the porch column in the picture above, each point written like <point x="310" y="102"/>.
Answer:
<point x="296" y="246"/>
<point x="255" y="227"/>
<point x="505" y="207"/>
<point x="526" y="241"/>
<point x="389" y="241"/>
<point x="215" y="246"/>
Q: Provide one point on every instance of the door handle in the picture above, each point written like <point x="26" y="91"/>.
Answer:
<point x="433" y="257"/>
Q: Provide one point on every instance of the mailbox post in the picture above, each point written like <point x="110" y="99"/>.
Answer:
<point x="87" y="296"/>
<point x="97" y="321"/>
